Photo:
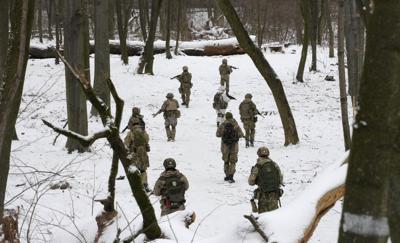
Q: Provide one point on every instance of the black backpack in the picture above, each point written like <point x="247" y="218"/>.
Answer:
<point x="175" y="189"/>
<point x="230" y="135"/>
<point x="268" y="179"/>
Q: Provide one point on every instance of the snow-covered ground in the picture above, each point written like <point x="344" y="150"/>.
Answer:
<point x="68" y="215"/>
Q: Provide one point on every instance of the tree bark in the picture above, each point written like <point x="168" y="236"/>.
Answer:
<point x="354" y="31"/>
<point x="305" y="11"/>
<point x="123" y="8"/>
<point x="331" y="35"/>
<point x="49" y="8"/>
<point x="143" y="18"/>
<point x="14" y="76"/>
<point x="168" y="31"/>
<point x="178" y="26"/>
<point x="342" y="77"/>
<point x="146" y="63"/>
<point x="58" y="5"/>
<point x="289" y="126"/>
<point x="313" y="33"/>
<point x="3" y="39"/>
<point x="102" y="53"/>
<point x="369" y="211"/>
<point x="111" y="20"/>
<point x="74" y="51"/>
<point x="39" y="21"/>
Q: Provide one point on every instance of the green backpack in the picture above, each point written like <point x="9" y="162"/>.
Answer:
<point x="268" y="179"/>
<point x="174" y="189"/>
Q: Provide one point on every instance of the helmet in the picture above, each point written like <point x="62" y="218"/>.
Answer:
<point x="263" y="152"/>
<point x="228" y="115"/>
<point x="136" y="110"/>
<point x="248" y="95"/>
<point x="224" y="61"/>
<point x="221" y="89"/>
<point x="170" y="95"/>
<point x="169" y="163"/>
<point x="185" y="68"/>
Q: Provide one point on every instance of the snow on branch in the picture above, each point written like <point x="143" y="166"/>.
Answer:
<point x="84" y="140"/>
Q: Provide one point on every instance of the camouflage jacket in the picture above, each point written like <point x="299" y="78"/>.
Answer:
<point x="254" y="171"/>
<point x="221" y="128"/>
<point x="247" y="109"/>
<point x="225" y="70"/>
<point x="159" y="187"/>
<point x="185" y="79"/>
<point x="136" y="138"/>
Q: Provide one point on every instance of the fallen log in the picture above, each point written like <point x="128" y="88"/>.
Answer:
<point x="135" y="48"/>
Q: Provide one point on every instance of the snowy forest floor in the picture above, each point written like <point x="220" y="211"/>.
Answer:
<point x="58" y="214"/>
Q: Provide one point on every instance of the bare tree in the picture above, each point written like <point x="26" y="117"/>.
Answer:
<point x="178" y="25"/>
<point x="313" y="33"/>
<point x="146" y="61"/>
<point x="275" y="84"/>
<point x="13" y="77"/>
<point x="371" y="210"/>
<point x="342" y="77"/>
<point x="123" y="9"/>
<point x="143" y="17"/>
<point x="331" y="35"/>
<point x="39" y="20"/>
<point x="168" y="29"/>
<point x="102" y="53"/>
<point x="75" y="50"/>
<point x="305" y="12"/>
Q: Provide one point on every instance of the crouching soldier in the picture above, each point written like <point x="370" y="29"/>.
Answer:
<point x="171" y="186"/>
<point x="171" y="115"/>
<point x="267" y="175"/>
<point x="220" y="104"/>
<point x="248" y="115"/>
<point x="230" y="133"/>
<point x="137" y="141"/>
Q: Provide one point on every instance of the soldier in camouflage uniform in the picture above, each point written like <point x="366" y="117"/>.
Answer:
<point x="186" y="84"/>
<point x="225" y="71"/>
<point x="248" y="115"/>
<point x="137" y="142"/>
<point x="136" y="118"/>
<point x="220" y="104"/>
<point x="230" y="133"/>
<point x="171" y="115"/>
<point x="171" y="186"/>
<point x="267" y="175"/>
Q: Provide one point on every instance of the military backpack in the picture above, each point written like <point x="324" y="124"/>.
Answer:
<point x="219" y="102"/>
<point x="174" y="189"/>
<point x="268" y="179"/>
<point x="230" y="135"/>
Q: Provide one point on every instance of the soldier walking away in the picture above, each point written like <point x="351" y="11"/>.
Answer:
<point x="248" y="115"/>
<point x="220" y="104"/>
<point x="171" y="186"/>
<point x="225" y="71"/>
<point x="230" y="133"/>
<point x="137" y="142"/>
<point x="171" y="115"/>
<point x="267" y="175"/>
<point x="185" y="78"/>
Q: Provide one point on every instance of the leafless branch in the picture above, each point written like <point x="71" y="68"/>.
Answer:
<point x="254" y="222"/>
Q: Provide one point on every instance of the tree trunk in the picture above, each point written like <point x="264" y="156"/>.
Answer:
<point x="305" y="11"/>
<point x="58" y="28"/>
<point x="147" y="58"/>
<point x="354" y="31"/>
<point x="342" y="77"/>
<point x="143" y="18"/>
<point x="369" y="211"/>
<point x="123" y="8"/>
<point x="39" y="21"/>
<point x="14" y="75"/>
<point x="331" y="35"/>
<point x="168" y="31"/>
<point x="322" y="4"/>
<point x="111" y="20"/>
<point x="313" y="32"/>
<point x="102" y="53"/>
<point x="265" y="69"/>
<point x="74" y="51"/>
<point x="178" y="26"/>
<point x="3" y="39"/>
<point x="49" y="18"/>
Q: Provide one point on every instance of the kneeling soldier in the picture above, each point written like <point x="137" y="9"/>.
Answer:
<point x="267" y="175"/>
<point x="171" y="186"/>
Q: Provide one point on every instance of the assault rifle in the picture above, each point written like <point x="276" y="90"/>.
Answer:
<point x="125" y="129"/>
<point x="259" y="113"/>
<point x="233" y="67"/>
<point x="176" y="77"/>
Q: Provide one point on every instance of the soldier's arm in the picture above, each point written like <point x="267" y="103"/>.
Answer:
<point x="128" y="140"/>
<point x="253" y="176"/>
<point x="184" y="180"/>
<point x="239" y="131"/>
<point x="158" y="187"/>
<point x="280" y="173"/>
<point x="177" y="103"/>
<point x="220" y="131"/>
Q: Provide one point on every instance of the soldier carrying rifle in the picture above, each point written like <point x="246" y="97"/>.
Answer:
<point x="185" y="78"/>
<point x="225" y="71"/>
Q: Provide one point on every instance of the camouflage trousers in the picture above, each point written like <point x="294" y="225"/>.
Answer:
<point x="185" y="94"/>
<point x="168" y="210"/>
<point x="221" y="115"/>
<point x="225" y="82"/>
<point x="267" y="201"/>
<point x="250" y="129"/>
<point x="230" y="157"/>
<point x="170" y="127"/>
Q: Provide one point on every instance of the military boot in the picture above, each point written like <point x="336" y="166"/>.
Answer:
<point x="247" y="143"/>
<point x="230" y="179"/>
<point x="252" y="143"/>
<point x="173" y="132"/>
<point x="168" y="131"/>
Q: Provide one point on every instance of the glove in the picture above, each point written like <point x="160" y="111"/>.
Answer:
<point x="147" y="148"/>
